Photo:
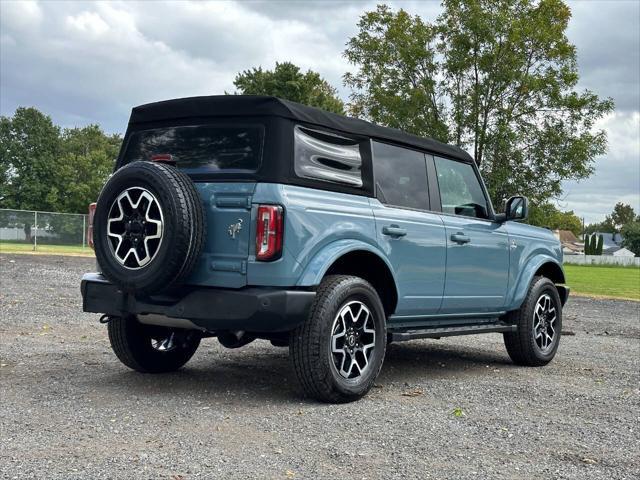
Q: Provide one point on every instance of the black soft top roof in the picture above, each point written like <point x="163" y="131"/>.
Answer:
<point x="255" y="105"/>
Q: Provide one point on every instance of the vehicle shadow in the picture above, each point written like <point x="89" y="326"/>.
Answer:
<point x="263" y="373"/>
<point x="418" y="361"/>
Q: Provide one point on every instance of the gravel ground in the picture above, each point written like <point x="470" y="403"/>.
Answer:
<point x="69" y="409"/>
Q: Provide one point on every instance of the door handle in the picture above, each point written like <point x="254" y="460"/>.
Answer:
<point x="394" y="231"/>
<point x="460" y="238"/>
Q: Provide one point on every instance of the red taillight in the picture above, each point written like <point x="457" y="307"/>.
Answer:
<point x="269" y="233"/>
<point x="163" y="158"/>
<point x="92" y="213"/>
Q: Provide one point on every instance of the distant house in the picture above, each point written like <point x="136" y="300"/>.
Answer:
<point x="570" y="243"/>
<point x="610" y="240"/>
<point x="618" y="252"/>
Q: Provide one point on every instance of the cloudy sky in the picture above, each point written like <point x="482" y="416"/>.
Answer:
<point x="86" y="63"/>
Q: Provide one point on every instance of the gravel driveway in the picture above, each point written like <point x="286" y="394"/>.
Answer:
<point x="69" y="409"/>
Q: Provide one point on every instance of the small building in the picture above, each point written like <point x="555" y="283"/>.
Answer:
<point x="618" y="252"/>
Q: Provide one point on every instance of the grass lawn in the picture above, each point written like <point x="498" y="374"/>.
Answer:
<point x="11" y="247"/>
<point x="605" y="281"/>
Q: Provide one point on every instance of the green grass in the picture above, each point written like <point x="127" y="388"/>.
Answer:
<point x="12" y="247"/>
<point x="604" y="281"/>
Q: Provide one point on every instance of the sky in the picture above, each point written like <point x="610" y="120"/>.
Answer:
<point x="83" y="63"/>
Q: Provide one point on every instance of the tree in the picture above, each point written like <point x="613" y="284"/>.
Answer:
<point x="495" y="76"/>
<point x="587" y="244"/>
<point x="548" y="216"/>
<point x="288" y="82"/>
<point x="600" y="245"/>
<point x="87" y="160"/>
<point x="621" y="215"/>
<point x="29" y="151"/>
<point x="631" y="234"/>
<point x="606" y="226"/>
<point x="46" y="169"/>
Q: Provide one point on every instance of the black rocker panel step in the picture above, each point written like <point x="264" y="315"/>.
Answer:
<point x="438" y="332"/>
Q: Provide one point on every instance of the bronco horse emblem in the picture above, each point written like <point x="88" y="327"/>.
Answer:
<point x="234" y="228"/>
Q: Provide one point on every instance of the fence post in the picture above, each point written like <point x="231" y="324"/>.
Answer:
<point x="35" y="230"/>
<point x="84" y="230"/>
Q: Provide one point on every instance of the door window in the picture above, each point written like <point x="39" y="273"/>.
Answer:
<point x="460" y="189"/>
<point x="401" y="176"/>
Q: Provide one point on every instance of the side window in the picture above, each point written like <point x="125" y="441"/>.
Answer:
<point x="328" y="157"/>
<point x="460" y="190"/>
<point x="401" y="176"/>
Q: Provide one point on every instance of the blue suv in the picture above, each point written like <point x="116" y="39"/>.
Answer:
<point x="251" y="217"/>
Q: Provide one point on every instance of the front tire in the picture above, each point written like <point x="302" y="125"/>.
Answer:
<point x="337" y="353"/>
<point x="539" y="322"/>
<point x="148" y="348"/>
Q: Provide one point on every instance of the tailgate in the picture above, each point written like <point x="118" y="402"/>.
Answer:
<point x="227" y="207"/>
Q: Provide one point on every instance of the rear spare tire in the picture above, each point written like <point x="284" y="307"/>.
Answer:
<point x="148" y="227"/>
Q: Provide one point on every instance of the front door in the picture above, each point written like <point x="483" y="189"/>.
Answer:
<point x="412" y="238"/>
<point x="477" y="247"/>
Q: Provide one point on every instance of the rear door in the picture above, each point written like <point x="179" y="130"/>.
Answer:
<point x="477" y="247"/>
<point x="412" y="237"/>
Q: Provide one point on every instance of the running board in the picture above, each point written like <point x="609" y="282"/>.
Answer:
<point x="438" y="332"/>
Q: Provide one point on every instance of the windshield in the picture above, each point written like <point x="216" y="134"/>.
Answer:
<point x="200" y="148"/>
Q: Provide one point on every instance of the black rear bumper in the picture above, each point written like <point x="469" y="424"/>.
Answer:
<point x="253" y="309"/>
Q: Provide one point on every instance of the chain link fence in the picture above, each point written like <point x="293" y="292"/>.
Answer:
<point x="32" y="230"/>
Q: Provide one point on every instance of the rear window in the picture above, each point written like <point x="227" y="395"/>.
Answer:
<point x="201" y="148"/>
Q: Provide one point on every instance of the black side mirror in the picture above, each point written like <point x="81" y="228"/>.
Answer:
<point x="517" y="208"/>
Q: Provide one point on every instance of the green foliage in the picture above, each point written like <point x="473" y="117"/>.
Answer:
<point x="29" y="154"/>
<point x="495" y="76"/>
<point x="593" y="244"/>
<point x="45" y="168"/>
<point x="622" y="214"/>
<point x="631" y="234"/>
<point x="606" y="226"/>
<point x="548" y="216"/>
<point x="600" y="246"/>
<point x="587" y="244"/>
<point x="288" y="82"/>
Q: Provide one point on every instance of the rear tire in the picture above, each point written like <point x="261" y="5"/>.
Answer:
<point x="337" y="353"/>
<point x="539" y="322"/>
<point x="151" y="349"/>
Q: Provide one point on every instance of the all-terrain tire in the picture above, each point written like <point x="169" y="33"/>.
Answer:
<point x="310" y="343"/>
<point x="183" y="229"/>
<point x="521" y="345"/>
<point x="131" y="341"/>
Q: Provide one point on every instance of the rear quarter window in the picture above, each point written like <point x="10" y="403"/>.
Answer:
<point x="327" y="156"/>
<point x="200" y="148"/>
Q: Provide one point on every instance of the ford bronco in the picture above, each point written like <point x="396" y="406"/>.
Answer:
<point x="251" y="217"/>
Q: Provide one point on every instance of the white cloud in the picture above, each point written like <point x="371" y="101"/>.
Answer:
<point x="617" y="174"/>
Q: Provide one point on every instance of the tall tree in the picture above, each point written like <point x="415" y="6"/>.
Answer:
<point x="29" y="151"/>
<point x="621" y="215"/>
<point x="288" y="82"/>
<point x="631" y="234"/>
<point x="496" y="77"/>
<point x="44" y="168"/>
<point x="87" y="160"/>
